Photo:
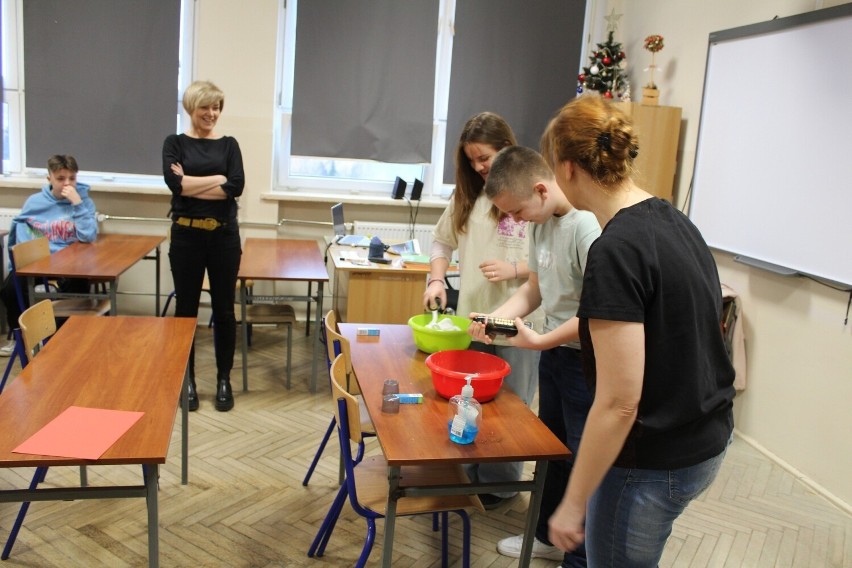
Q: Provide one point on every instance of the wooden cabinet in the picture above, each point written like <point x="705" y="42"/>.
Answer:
<point x="378" y="296"/>
<point x="378" y="293"/>
<point x="659" y="133"/>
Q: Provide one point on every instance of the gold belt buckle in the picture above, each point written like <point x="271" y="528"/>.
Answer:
<point x="208" y="224"/>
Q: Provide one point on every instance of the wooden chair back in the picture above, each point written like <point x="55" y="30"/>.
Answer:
<point x="22" y="254"/>
<point x="30" y="251"/>
<point x="331" y="333"/>
<point x="335" y="345"/>
<point x="339" y="390"/>
<point x="37" y="323"/>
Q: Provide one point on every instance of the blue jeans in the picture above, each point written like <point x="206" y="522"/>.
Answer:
<point x="523" y="380"/>
<point x="630" y="516"/>
<point x="563" y="404"/>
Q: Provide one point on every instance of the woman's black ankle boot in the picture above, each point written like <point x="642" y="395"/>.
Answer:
<point x="193" y="395"/>
<point x="224" y="396"/>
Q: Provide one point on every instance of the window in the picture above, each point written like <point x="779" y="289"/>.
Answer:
<point x="88" y="92"/>
<point x="395" y="45"/>
<point x="472" y="67"/>
<point x="11" y="106"/>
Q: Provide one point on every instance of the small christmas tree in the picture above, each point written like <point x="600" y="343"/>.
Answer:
<point x="604" y="73"/>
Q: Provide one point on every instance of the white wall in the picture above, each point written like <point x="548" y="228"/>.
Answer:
<point x="235" y="48"/>
<point x="796" y="405"/>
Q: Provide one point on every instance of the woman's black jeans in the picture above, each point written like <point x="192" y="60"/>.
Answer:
<point x="191" y="252"/>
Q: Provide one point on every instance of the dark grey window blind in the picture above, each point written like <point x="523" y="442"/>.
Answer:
<point x="2" y="141"/>
<point x="518" y="59"/>
<point x="101" y="81"/>
<point x="364" y="80"/>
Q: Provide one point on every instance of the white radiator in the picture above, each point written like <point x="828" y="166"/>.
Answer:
<point x="397" y="232"/>
<point x="6" y="216"/>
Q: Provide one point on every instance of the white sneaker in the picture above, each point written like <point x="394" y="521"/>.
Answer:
<point x="511" y="546"/>
<point x="6" y="350"/>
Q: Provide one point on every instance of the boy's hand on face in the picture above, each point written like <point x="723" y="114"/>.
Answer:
<point x="69" y="192"/>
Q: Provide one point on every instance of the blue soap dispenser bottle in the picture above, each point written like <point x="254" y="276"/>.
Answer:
<point x="465" y="415"/>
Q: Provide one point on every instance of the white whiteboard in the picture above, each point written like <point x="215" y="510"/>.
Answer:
<point x="773" y="164"/>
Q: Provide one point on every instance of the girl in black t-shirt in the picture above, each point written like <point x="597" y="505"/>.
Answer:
<point x="652" y="349"/>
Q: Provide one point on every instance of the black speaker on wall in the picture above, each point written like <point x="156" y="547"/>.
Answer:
<point x="416" y="190"/>
<point x="398" y="188"/>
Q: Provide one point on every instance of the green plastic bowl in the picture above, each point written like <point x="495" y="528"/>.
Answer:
<point x="434" y="340"/>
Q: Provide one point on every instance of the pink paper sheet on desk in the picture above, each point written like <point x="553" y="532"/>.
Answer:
<point x="80" y="433"/>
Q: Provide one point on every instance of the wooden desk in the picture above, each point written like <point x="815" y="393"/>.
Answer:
<point x="101" y="261"/>
<point x="378" y="293"/>
<point x="418" y="434"/>
<point x="289" y="260"/>
<point x="85" y="364"/>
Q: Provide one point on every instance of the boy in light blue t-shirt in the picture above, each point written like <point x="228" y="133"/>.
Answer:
<point x="522" y="185"/>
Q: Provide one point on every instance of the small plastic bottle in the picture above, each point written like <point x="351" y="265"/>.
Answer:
<point x="465" y="415"/>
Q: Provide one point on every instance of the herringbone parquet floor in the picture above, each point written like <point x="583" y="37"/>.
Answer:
<point x="245" y="505"/>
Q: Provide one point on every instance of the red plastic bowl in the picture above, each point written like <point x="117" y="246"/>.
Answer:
<point x="449" y="369"/>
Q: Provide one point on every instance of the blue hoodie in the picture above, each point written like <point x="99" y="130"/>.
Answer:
<point x="58" y="220"/>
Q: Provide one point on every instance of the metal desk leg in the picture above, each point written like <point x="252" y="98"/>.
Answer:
<point x="244" y="326"/>
<point x="318" y="323"/>
<point x="184" y="428"/>
<point x="390" y="516"/>
<point x="532" y="513"/>
<point x="308" y="318"/>
<point x="31" y="287"/>
<point x="151" y="475"/>
<point x="157" y="281"/>
<point x="3" y="329"/>
<point x="113" y="297"/>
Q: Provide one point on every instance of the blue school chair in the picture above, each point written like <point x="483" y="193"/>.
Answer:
<point x="366" y="483"/>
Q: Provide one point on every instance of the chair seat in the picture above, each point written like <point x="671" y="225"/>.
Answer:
<point x="64" y="308"/>
<point x="269" y="313"/>
<point x="371" y="482"/>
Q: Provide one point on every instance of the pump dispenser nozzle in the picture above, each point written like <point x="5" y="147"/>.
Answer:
<point x="467" y="390"/>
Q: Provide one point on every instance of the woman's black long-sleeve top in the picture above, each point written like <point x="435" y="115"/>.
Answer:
<point x="204" y="157"/>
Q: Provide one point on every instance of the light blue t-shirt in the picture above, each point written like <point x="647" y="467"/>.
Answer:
<point x="558" y="251"/>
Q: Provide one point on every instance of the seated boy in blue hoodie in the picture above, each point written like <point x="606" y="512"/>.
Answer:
<point x="64" y="213"/>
